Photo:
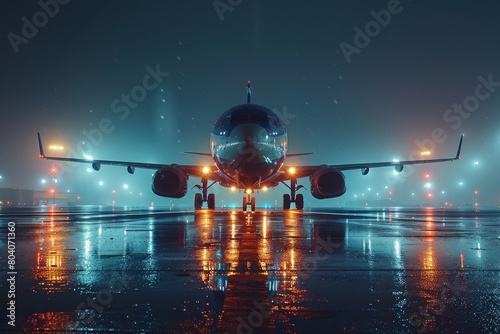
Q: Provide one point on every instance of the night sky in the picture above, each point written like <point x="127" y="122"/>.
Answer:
<point x="356" y="81"/>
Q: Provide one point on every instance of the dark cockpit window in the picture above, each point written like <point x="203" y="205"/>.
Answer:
<point x="225" y="121"/>
<point x="245" y="118"/>
<point x="261" y="118"/>
<point x="222" y="122"/>
<point x="272" y="121"/>
<point x="254" y="118"/>
<point x="239" y="118"/>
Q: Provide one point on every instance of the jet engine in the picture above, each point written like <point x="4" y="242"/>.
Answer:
<point x="327" y="183"/>
<point x="170" y="182"/>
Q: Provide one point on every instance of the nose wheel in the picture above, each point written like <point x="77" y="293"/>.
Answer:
<point x="248" y="200"/>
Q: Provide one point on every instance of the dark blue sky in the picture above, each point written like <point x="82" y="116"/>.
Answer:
<point x="393" y="91"/>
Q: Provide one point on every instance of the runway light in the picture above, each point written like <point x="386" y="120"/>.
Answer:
<point x="56" y="147"/>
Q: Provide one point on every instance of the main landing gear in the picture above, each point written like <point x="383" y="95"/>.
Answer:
<point x="203" y="197"/>
<point x="298" y="199"/>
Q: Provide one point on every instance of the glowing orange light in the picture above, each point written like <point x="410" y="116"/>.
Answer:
<point x="206" y="170"/>
<point x="292" y="170"/>
<point x="248" y="191"/>
<point x="233" y="188"/>
<point x="264" y="188"/>
<point x="56" y="147"/>
<point x="425" y="153"/>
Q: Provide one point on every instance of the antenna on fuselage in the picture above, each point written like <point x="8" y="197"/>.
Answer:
<point x="249" y="92"/>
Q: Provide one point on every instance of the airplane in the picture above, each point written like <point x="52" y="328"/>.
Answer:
<point x="249" y="146"/>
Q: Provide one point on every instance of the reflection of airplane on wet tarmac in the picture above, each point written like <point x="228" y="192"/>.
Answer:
<point x="249" y="146"/>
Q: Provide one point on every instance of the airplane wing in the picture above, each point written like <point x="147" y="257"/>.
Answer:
<point x="304" y="171"/>
<point x="194" y="170"/>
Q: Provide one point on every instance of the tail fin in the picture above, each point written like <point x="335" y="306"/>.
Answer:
<point x="249" y="93"/>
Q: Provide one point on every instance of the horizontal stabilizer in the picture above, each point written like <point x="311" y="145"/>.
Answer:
<point x="199" y="153"/>
<point x="298" y="154"/>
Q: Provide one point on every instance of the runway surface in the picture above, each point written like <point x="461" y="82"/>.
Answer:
<point x="102" y="269"/>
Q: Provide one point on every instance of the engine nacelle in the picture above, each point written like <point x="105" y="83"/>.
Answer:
<point x="170" y="182"/>
<point x="327" y="183"/>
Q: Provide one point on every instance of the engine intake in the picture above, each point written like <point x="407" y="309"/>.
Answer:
<point x="170" y="182"/>
<point x="327" y="183"/>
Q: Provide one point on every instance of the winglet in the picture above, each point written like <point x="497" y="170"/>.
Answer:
<point x="40" y="146"/>
<point x="249" y="92"/>
<point x="459" y="147"/>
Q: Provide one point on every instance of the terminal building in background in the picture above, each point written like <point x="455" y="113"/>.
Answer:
<point x="29" y="197"/>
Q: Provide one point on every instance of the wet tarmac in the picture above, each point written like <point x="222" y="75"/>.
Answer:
<point x="400" y="270"/>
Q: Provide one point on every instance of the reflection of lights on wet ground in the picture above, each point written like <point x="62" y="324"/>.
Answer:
<point x="397" y="249"/>
<point x="87" y="249"/>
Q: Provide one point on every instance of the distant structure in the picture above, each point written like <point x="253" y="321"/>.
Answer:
<point x="22" y="197"/>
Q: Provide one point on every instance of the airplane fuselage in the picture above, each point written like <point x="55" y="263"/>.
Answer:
<point x="248" y="144"/>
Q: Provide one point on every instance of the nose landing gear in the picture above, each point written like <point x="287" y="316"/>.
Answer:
<point x="248" y="200"/>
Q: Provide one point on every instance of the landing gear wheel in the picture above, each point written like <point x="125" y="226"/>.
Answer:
<point x="252" y="203"/>
<point x="244" y="204"/>
<point x="198" y="201"/>
<point x="299" y="202"/>
<point x="286" y="202"/>
<point x="211" y="201"/>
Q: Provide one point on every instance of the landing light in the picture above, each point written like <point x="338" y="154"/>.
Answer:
<point x="56" y="147"/>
